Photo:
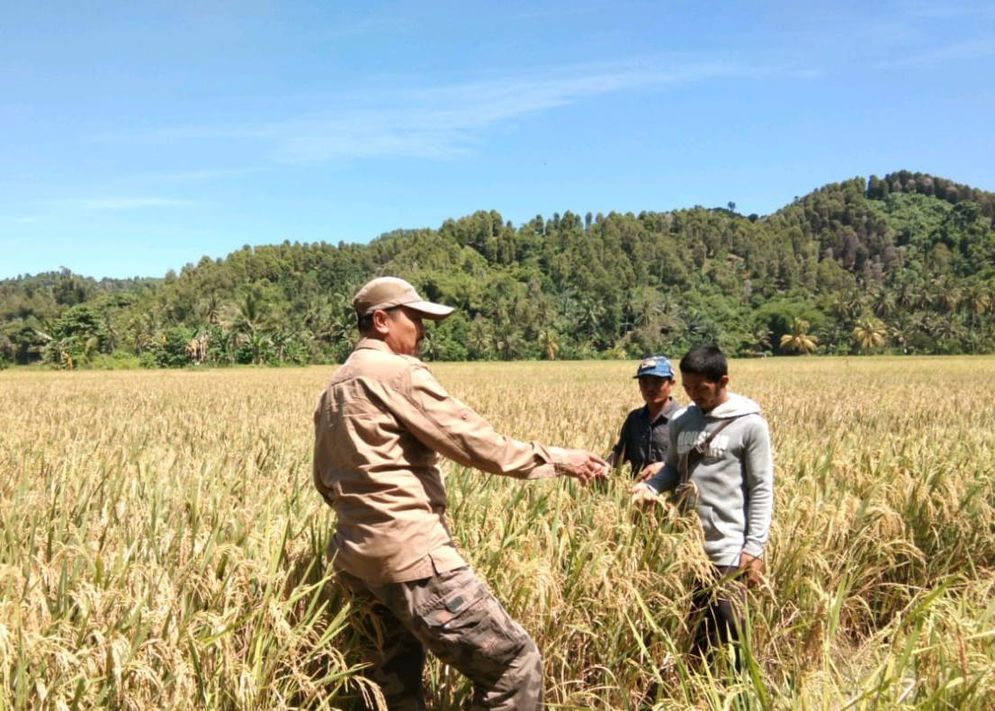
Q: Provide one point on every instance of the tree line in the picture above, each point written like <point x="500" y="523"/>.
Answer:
<point x="902" y="264"/>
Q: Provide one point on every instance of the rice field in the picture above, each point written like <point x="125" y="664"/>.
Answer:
<point x="162" y="546"/>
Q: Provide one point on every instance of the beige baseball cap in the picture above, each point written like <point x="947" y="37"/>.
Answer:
<point x="387" y="292"/>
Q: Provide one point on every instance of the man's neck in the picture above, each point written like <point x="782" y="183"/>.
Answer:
<point x="655" y="410"/>
<point x="723" y="399"/>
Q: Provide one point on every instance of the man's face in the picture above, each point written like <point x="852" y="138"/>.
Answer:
<point x="706" y="394"/>
<point x="655" y="390"/>
<point x="405" y="331"/>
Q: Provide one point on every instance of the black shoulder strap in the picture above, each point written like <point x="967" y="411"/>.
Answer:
<point x="691" y="458"/>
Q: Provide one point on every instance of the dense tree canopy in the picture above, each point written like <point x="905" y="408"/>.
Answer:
<point x="904" y="263"/>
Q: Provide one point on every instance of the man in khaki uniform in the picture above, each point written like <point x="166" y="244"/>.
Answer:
<point x="379" y="428"/>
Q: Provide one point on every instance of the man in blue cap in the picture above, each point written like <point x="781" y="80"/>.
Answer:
<point x="644" y="437"/>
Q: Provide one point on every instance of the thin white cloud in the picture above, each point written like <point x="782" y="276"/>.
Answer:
<point x="132" y="203"/>
<point x="948" y="10"/>
<point x="367" y="26"/>
<point x="805" y="74"/>
<point x="932" y="57"/>
<point x="199" y="175"/>
<point x="447" y="121"/>
<point x="576" y="8"/>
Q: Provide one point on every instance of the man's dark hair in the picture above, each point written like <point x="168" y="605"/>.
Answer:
<point x="706" y="361"/>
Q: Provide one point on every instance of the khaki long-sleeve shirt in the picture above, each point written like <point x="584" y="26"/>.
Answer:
<point x="379" y="428"/>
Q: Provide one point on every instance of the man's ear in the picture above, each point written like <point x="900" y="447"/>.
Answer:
<point x="724" y="382"/>
<point x="381" y="322"/>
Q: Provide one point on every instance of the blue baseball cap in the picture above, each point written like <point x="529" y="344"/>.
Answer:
<point x="657" y="365"/>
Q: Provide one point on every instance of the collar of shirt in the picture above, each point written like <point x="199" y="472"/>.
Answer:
<point x="665" y="413"/>
<point x="374" y="344"/>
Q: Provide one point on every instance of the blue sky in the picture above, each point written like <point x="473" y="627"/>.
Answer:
<point x="139" y="137"/>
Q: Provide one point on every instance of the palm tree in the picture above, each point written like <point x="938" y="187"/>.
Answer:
<point x="508" y="341"/>
<point x="591" y="312"/>
<point x="259" y="345"/>
<point x="911" y="294"/>
<point x="249" y="312"/>
<point x="91" y="346"/>
<point x="761" y="339"/>
<point x="884" y="302"/>
<point x="871" y="333"/>
<point x="644" y="306"/>
<point x="979" y="301"/>
<point x="225" y="344"/>
<point x="550" y="344"/>
<point x="848" y="306"/>
<point x="209" y="309"/>
<point x="799" y="341"/>
<point x="110" y="333"/>
<point x="480" y="339"/>
<point x="948" y="329"/>
<point x="950" y="298"/>
<point x="332" y="323"/>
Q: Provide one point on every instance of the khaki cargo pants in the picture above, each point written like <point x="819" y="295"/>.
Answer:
<point x="456" y="617"/>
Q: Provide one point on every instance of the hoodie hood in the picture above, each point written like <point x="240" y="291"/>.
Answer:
<point x="735" y="406"/>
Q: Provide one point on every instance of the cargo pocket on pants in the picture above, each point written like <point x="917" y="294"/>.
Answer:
<point x="469" y="629"/>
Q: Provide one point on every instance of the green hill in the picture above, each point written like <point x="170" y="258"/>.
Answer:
<point x="904" y="263"/>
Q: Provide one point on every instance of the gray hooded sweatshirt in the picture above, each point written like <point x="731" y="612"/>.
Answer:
<point x="735" y="478"/>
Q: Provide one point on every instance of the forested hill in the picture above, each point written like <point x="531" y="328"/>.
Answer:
<point x="904" y="263"/>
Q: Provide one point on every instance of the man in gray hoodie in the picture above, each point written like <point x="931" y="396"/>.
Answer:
<point x="719" y="463"/>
